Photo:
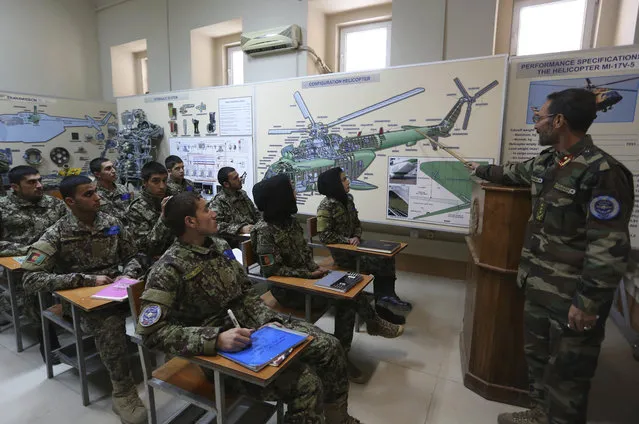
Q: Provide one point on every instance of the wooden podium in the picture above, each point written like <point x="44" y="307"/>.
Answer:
<point x="491" y="342"/>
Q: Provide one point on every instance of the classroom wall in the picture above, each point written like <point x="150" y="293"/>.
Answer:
<point x="49" y="48"/>
<point x="418" y="31"/>
<point x="627" y="22"/>
<point x="470" y="28"/>
<point x="315" y="37"/>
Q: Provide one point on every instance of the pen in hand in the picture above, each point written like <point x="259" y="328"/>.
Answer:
<point x="233" y="319"/>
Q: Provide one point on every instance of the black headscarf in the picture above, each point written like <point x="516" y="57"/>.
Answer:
<point x="275" y="199"/>
<point x="329" y="183"/>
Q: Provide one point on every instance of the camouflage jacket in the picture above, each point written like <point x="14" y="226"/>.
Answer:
<point x="173" y="187"/>
<point x="187" y="295"/>
<point x="23" y="222"/>
<point x="70" y="254"/>
<point x="116" y="202"/>
<point x="337" y="223"/>
<point x="283" y="250"/>
<point x="152" y="236"/>
<point x="234" y="210"/>
<point x="577" y="243"/>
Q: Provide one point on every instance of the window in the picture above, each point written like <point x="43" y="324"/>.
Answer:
<point x="141" y="62"/>
<point x="235" y="65"/>
<point x="550" y="26"/>
<point x="364" y="47"/>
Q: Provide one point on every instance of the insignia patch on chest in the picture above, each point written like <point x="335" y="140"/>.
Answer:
<point x="150" y="315"/>
<point x="537" y="180"/>
<point x="541" y="212"/>
<point x="193" y="273"/>
<point x="564" y="189"/>
<point x="228" y="253"/>
<point x="604" y="207"/>
<point x="125" y="196"/>
<point x="267" y="260"/>
<point x="36" y="258"/>
<point x="112" y="231"/>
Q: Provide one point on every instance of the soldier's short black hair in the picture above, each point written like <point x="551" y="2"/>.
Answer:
<point x="223" y="174"/>
<point x="577" y="105"/>
<point x="69" y="185"/>
<point x="179" y="207"/>
<point x="96" y="165"/>
<point x="171" y="161"/>
<point x="152" y="168"/>
<point x="17" y="173"/>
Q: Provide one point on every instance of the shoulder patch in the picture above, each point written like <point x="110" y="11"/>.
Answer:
<point x="267" y="260"/>
<point x="189" y="188"/>
<point x="112" y="231"/>
<point x="150" y="315"/>
<point x="604" y="207"/>
<point x="125" y="196"/>
<point x="228" y="253"/>
<point x="36" y="258"/>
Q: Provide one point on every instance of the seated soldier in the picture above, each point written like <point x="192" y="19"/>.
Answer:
<point x="338" y="222"/>
<point x="114" y="198"/>
<point x="83" y="249"/>
<point x="25" y="215"/>
<point x="188" y="292"/>
<point x="236" y="213"/>
<point x="146" y="221"/>
<point x="177" y="183"/>
<point x="279" y="244"/>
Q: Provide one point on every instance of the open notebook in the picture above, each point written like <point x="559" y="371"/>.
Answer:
<point x="115" y="291"/>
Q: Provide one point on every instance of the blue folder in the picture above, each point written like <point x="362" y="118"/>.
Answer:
<point x="267" y="344"/>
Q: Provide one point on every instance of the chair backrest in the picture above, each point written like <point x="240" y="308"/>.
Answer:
<point x="311" y="227"/>
<point x="248" y="256"/>
<point x="135" y="292"/>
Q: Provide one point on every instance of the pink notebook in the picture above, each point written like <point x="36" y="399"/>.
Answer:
<point x="115" y="291"/>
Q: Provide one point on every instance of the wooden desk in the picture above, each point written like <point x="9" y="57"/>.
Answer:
<point x="13" y="268"/>
<point x="222" y="366"/>
<point x="308" y="287"/>
<point x="81" y="298"/>
<point x="349" y="248"/>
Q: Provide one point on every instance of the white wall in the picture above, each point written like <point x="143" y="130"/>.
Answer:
<point x="203" y="59"/>
<point x="315" y="37"/>
<point x="470" y="28"/>
<point x="50" y="48"/>
<point x="626" y="22"/>
<point x="135" y="20"/>
<point x="418" y="31"/>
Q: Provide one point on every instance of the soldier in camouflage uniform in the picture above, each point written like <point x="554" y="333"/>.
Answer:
<point x="188" y="292"/>
<point x="83" y="249"/>
<point x="278" y="242"/>
<point x="25" y="215"/>
<point x="338" y="222"/>
<point x="177" y="183"/>
<point x="574" y="255"/>
<point x="114" y="198"/>
<point x="145" y="214"/>
<point x="236" y="213"/>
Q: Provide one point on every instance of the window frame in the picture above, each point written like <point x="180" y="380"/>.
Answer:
<point x="346" y="29"/>
<point x="228" y="62"/>
<point x="141" y="60"/>
<point x="590" y="21"/>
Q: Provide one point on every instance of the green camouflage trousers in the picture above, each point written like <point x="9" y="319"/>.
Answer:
<point x="561" y="363"/>
<point x="108" y="328"/>
<point x="317" y="378"/>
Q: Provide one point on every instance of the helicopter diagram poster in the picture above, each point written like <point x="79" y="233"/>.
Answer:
<point x="385" y="129"/>
<point x="611" y="74"/>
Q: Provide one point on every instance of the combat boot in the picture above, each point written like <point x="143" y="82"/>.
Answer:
<point x="336" y="413"/>
<point x="377" y="326"/>
<point x="130" y="408"/>
<point x="355" y="375"/>
<point x="530" y="416"/>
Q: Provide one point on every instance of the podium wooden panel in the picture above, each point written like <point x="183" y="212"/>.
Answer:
<point x="491" y="342"/>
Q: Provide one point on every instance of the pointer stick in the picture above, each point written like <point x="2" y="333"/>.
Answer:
<point x="446" y="149"/>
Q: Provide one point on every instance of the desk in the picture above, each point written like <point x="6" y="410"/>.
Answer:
<point x="13" y="267"/>
<point x="222" y="366"/>
<point x="79" y="299"/>
<point x="349" y="248"/>
<point x="308" y="287"/>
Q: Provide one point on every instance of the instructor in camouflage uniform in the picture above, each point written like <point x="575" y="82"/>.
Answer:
<point x="236" y="213"/>
<point x="189" y="290"/>
<point x="279" y="243"/>
<point x="87" y="248"/>
<point x="574" y="255"/>
<point x="25" y="215"/>
<point x="114" y="198"/>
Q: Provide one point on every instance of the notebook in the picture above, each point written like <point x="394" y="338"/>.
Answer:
<point x="268" y="343"/>
<point x="115" y="291"/>
<point x="379" y="246"/>
<point x="339" y="281"/>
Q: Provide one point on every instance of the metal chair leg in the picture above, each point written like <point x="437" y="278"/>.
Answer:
<point x="79" y="345"/>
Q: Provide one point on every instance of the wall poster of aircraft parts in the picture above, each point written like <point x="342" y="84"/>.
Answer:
<point x="207" y="127"/>
<point x="56" y="136"/>
<point x="384" y="128"/>
<point x="611" y="74"/>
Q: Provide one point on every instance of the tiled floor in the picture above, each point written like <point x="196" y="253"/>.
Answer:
<point x="415" y="379"/>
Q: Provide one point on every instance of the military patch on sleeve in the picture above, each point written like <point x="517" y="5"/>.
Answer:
<point x="267" y="260"/>
<point x="36" y="258"/>
<point x="229" y="254"/>
<point x="112" y="231"/>
<point x="150" y="315"/>
<point x="125" y="196"/>
<point x="604" y="207"/>
<point x="189" y="188"/>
